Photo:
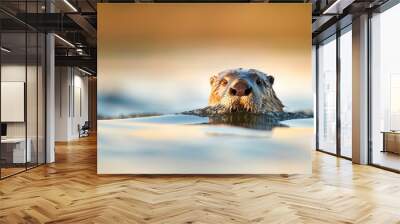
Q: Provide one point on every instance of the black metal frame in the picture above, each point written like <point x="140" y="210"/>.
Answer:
<point x="316" y="97"/>
<point x="338" y="98"/>
<point x="44" y="70"/>
<point x="369" y="100"/>
<point x="0" y="91"/>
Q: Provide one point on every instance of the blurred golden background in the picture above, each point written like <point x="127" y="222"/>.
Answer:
<point x="159" y="57"/>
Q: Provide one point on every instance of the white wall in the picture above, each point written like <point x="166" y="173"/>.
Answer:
<point x="80" y="110"/>
<point x="71" y="102"/>
<point x="62" y="82"/>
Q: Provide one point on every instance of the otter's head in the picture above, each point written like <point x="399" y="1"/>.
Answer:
<point x="244" y="90"/>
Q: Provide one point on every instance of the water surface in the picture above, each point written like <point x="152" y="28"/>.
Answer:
<point x="188" y="144"/>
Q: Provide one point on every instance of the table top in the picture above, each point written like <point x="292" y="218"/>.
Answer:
<point x="390" y="132"/>
<point x="13" y="140"/>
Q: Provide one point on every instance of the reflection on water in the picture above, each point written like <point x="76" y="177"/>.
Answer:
<point x="188" y="144"/>
<point x="246" y="120"/>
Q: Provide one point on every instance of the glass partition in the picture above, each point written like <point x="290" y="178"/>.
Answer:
<point x="31" y="98"/>
<point x="13" y="94"/>
<point x="22" y="78"/>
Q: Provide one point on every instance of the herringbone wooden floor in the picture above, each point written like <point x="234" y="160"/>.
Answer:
<point x="69" y="191"/>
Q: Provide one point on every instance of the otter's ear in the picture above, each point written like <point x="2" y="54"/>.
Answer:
<point x="270" y="79"/>
<point x="213" y="79"/>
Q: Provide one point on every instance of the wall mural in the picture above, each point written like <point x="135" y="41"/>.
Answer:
<point x="204" y="89"/>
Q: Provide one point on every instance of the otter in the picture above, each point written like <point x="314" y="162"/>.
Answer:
<point x="244" y="90"/>
<point x="243" y="98"/>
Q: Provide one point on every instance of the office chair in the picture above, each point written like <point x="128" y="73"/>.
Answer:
<point x="84" y="130"/>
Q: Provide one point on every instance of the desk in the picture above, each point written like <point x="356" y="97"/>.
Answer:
<point x="17" y="150"/>
<point x="391" y="141"/>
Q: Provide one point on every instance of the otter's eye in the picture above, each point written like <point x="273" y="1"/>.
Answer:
<point x="224" y="82"/>
<point x="259" y="82"/>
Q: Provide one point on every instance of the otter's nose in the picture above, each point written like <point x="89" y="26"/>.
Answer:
<point x="241" y="88"/>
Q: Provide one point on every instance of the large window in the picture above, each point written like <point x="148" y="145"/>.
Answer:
<point x="327" y="95"/>
<point x="346" y="92"/>
<point x="334" y="63"/>
<point x="385" y="89"/>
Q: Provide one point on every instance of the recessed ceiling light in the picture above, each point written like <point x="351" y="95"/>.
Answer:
<point x="5" y="50"/>
<point x="70" y="5"/>
<point x="64" y="40"/>
<point x="337" y="7"/>
<point x="84" y="71"/>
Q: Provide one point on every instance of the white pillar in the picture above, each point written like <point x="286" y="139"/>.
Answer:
<point x="360" y="90"/>
<point x="50" y="98"/>
<point x="64" y="101"/>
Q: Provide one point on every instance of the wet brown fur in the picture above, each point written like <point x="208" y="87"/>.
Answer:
<point x="262" y="99"/>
